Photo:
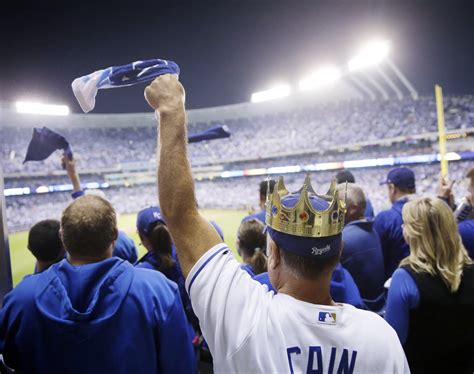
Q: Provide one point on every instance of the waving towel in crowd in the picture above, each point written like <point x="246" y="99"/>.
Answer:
<point x="85" y="88"/>
<point x="44" y="142"/>
<point x="216" y="132"/>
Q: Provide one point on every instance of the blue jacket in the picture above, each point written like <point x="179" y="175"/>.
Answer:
<point x="149" y="261"/>
<point x="403" y="296"/>
<point x="369" y="209"/>
<point x="105" y="317"/>
<point x="388" y="225"/>
<point x="362" y="257"/>
<point x="466" y="230"/>
<point x="125" y="248"/>
<point x="343" y="288"/>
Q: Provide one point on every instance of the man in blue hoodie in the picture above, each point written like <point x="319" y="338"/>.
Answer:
<point x="94" y="313"/>
<point x="388" y="224"/>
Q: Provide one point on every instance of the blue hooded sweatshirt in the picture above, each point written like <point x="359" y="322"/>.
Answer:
<point x="105" y="317"/>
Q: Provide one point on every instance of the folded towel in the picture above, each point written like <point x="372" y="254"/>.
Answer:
<point x="216" y="132"/>
<point x="85" y="88"/>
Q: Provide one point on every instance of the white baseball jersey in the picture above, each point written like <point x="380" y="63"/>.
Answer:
<point x="251" y="330"/>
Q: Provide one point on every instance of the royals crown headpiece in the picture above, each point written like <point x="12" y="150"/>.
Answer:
<point x="303" y="219"/>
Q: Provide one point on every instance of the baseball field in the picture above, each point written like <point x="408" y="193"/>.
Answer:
<point x="23" y="261"/>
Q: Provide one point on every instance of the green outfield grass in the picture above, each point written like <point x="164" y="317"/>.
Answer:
<point x="23" y="261"/>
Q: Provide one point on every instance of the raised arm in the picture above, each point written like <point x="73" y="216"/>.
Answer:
<point x="70" y="166"/>
<point x="192" y="234"/>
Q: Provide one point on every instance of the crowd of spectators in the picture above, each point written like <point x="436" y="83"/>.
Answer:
<point x="226" y="193"/>
<point x="276" y="133"/>
<point x="186" y="295"/>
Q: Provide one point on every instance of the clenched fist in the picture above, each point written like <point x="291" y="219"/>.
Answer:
<point x="165" y="93"/>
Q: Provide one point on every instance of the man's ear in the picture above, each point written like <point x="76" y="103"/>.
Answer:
<point x="60" y="233"/>
<point x="115" y="234"/>
<point x="237" y="246"/>
<point x="274" y="258"/>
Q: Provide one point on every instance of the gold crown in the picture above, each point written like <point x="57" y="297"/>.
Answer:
<point x="303" y="219"/>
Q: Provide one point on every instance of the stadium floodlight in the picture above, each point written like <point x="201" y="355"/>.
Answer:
<point x="276" y="92"/>
<point x="373" y="53"/>
<point x="42" y="109"/>
<point x="321" y="77"/>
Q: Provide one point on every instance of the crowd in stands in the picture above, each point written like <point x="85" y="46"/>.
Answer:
<point x="227" y="193"/>
<point x="277" y="133"/>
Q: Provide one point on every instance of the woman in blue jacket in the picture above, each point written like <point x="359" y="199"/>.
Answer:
<point x="161" y="254"/>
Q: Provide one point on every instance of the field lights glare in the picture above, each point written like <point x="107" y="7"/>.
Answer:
<point x="42" y="109"/>
<point x="373" y="53"/>
<point x="276" y="92"/>
<point x="321" y="77"/>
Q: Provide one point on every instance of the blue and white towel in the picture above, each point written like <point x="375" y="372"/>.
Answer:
<point x="85" y="88"/>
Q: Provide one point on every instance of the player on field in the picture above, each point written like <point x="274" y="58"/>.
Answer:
<point x="248" y="329"/>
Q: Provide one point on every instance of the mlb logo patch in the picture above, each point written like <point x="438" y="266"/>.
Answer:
<point x="327" y="318"/>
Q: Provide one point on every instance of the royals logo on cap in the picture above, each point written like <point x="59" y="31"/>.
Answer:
<point x="303" y="218"/>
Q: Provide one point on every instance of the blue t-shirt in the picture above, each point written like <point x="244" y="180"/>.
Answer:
<point x="466" y="230"/>
<point x="343" y="288"/>
<point x="388" y="225"/>
<point x="362" y="257"/>
<point x="104" y="317"/>
<point x="403" y="295"/>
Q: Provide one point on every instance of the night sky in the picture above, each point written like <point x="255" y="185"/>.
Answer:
<point x="226" y="49"/>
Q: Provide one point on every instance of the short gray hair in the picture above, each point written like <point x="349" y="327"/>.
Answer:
<point x="355" y="194"/>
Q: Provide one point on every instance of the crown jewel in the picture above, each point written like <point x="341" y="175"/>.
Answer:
<point x="303" y="219"/>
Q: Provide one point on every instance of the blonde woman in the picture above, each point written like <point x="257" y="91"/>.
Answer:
<point x="431" y="298"/>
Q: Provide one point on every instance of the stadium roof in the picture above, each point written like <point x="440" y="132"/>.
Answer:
<point x="227" y="49"/>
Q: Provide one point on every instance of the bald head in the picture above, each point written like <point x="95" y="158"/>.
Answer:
<point x="355" y="201"/>
<point x="89" y="227"/>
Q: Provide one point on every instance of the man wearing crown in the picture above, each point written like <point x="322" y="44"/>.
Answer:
<point x="247" y="328"/>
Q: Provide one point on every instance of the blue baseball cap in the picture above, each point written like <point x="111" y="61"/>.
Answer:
<point x="321" y="247"/>
<point x="401" y="177"/>
<point x="147" y="217"/>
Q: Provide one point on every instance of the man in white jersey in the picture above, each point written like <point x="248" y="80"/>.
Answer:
<point x="250" y="330"/>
